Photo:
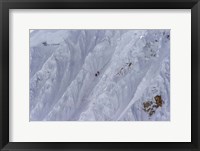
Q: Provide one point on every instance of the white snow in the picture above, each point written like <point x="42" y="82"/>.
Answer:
<point x="99" y="75"/>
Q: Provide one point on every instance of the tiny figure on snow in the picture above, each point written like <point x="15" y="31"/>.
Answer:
<point x="168" y="37"/>
<point x="129" y="64"/>
<point x="44" y="43"/>
<point x="96" y="74"/>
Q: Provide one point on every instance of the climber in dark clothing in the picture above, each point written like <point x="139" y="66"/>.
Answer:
<point x="129" y="64"/>
<point x="44" y="43"/>
<point x="96" y="74"/>
<point x="168" y="37"/>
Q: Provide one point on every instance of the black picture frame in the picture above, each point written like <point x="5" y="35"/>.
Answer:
<point x="5" y="5"/>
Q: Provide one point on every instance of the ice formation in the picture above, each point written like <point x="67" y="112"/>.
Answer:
<point x="100" y="75"/>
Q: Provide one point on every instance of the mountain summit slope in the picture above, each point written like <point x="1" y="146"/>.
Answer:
<point x="100" y="75"/>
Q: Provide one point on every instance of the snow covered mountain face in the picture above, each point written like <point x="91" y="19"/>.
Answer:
<point x="100" y="75"/>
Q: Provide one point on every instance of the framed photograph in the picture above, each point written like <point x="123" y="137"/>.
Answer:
<point x="99" y="75"/>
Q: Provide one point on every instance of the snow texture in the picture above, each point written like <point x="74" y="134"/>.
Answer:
<point x="100" y="75"/>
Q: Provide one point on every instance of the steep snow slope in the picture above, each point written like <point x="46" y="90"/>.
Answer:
<point x="99" y="75"/>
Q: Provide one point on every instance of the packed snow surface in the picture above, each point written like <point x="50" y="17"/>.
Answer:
<point x="100" y="75"/>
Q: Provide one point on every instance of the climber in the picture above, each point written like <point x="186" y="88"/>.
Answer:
<point x="44" y="43"/>
<point x="168" y="37"/>
<point x="129" y="64"/>
<point x="96" y="74"/>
